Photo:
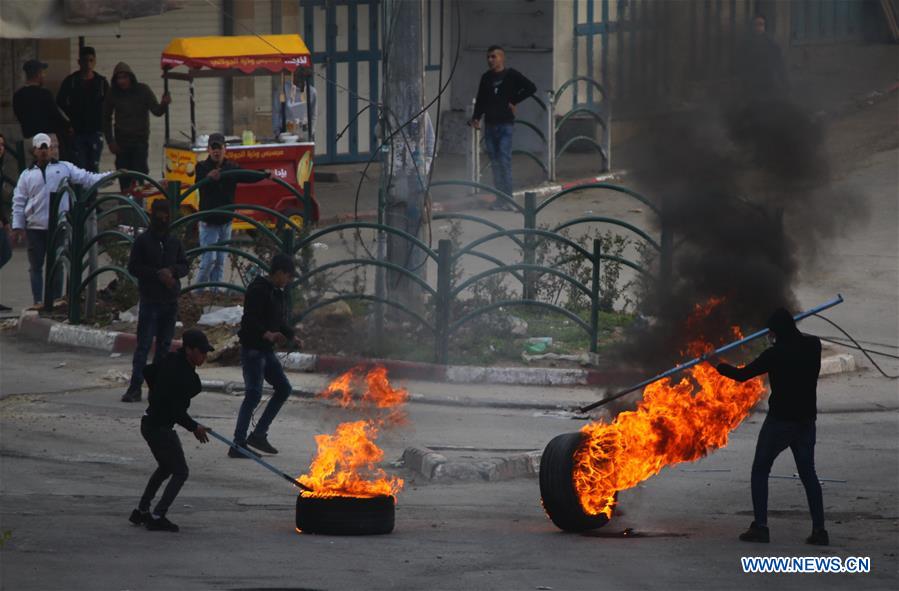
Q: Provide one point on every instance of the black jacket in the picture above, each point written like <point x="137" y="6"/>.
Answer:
<point x="792" y="365"/>
<point x="149" y="254"/>
<point x="82" y="101"/>
<point x="496" y="91"/>
<point x="264" y="310"/>
<point x="37" y="112"/>
<point x="130" y="109"/>
<point x="173" y="382"/>
<point x="221" y="192"/>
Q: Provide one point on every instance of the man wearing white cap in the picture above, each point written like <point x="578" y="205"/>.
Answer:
<point x="31" y="207"/>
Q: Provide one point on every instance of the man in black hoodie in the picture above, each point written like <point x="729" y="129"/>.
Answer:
<point x="130" y="103"/>
<point x="173" y="382"/>
<point x="264" y="325"/>
<point x="157" y="261"/>
<point x="499" y="91"/>
<point x="792" y="365"/>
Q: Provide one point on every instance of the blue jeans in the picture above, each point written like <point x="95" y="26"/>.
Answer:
<point x="775" y="436"/>
<point x="258" y="365"/>
<point x="88" y="147"/>
<point x="37" y="255"/>
<point x="498" y="142"/>
<point x="212" y="263"/>
<point x="153" y="320"/>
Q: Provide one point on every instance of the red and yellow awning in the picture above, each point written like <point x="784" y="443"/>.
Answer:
<point x="247" y="53"/>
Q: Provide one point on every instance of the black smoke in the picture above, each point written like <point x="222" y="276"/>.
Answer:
<point x="743" y="181"/>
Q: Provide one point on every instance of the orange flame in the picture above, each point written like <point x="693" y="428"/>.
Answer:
<point x="346" y="462"/>
<point x="675" y="422"/>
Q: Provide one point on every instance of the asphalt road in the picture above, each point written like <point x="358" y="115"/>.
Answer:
<point x="72" y="465"/>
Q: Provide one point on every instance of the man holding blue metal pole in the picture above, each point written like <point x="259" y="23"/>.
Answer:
<point x="792" y="364"/>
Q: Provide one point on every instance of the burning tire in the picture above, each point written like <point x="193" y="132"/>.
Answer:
<point x="560" y="500"/>
<point x="345" y="516"/>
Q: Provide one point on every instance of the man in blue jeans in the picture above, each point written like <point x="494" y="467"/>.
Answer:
<point x="216" y="229"/>
<point x="499" y="91"/>
<point x="264" y="324"/>
<point x="157" y="260"/>
<point x="792" y="365"/>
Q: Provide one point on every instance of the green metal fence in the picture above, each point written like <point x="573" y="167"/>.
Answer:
<point x="440" y="315"/>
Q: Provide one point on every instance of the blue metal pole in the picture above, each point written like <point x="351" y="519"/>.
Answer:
<point x="718" y="351"/>
<point x="258" y="460"/>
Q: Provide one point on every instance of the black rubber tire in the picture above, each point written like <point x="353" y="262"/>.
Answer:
<point x="560" y="500"/>
<point x="345" y="516"/>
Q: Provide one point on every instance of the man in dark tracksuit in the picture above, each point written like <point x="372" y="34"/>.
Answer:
<point x="173" y="382"/>
<point x="499" y="91"/>
<point x="130" y="103"/>
<point x="157" y="260"/>
<point x="792" y="365"/>
<point x="264" y="325"/>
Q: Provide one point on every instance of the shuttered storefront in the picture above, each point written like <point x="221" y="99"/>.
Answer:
<point x="140" y="45"/>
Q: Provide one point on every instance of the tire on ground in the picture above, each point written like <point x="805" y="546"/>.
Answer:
<point x="345" y="516"/>
<point x="560" y="501"/>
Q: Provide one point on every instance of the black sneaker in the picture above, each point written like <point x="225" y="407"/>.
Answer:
<point x="5" y="308"/>
<point x="233" y="452"/>
<point x="819" y="537"/>
<point x="139" y="517"/>
<point x="261" y="443"/>
<point x="161" y="524"/>
<point x="132" y="395"/>
<point x="755" y="534"/>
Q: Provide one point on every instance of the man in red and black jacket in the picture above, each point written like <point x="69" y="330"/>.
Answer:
<point x="264" y="324"/>
<point x="173" y="382"/>
<point x="792" y="365"/>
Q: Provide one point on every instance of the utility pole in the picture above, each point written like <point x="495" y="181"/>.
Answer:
<point x="406" y="175"/>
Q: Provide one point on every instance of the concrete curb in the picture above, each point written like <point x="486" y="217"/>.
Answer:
<point x="50" y="331"/>
<point x="436" y="467"/>
<point x="478" y="200"/>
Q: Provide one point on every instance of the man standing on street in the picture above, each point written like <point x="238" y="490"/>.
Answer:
<point x="173" y="382"/>
<point x="792" y="365"/>
<point x="126" y="121"/>
<point x="499" y="91"/>
<point x="264" y="325"/>
<point x="215" y="229"/>
<point x="31" y="208"/>
<point x="157" y="260"/>
<point x="81" y="97"/>
<point x="34" y="106"/>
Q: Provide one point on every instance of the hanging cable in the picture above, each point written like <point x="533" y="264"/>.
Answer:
<point x="859" y="347"/>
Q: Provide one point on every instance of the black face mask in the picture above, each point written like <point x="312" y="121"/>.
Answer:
<point x="159" y="225"/>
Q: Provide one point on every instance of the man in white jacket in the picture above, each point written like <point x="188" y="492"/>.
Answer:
<point x="31" y="207"/>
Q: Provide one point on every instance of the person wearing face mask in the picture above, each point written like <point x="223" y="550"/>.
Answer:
<point x="792" y="364"/>
<point x="158" y="262"/>
<point x="31" y="207"/>
<point x="264" y="324"/>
